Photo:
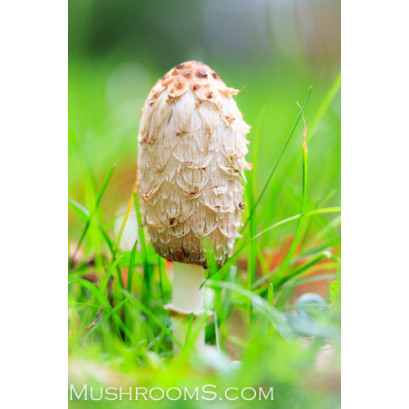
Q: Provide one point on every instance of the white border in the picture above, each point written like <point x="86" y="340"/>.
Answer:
<point x="375" y="203"/>
<point x="33" y="211"/>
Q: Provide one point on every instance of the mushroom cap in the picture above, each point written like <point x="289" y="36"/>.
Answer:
<point x="192" y="143"/>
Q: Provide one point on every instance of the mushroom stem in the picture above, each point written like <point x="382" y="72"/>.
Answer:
<point x="187" y="298"/>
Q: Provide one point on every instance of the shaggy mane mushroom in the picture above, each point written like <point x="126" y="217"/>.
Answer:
<point x="191" y="158"/>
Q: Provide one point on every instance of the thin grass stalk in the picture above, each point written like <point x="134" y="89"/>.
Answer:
<point x="277" y="161"/>
<point x="142" y="241"/>
<point x="298" y="231"/>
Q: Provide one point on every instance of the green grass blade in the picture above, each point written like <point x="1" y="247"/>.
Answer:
<point x="291" y="284"/>
<point x="105" y="318"/>
<point x="130" y="279"/>
<point x="123" y="224"/>
<point x="279" y="281"/>
<point x="227" y="295"/>
<point x="104" y="283"/>
<point x="318" y="249"/>
<point x="216" y="330"/>
<point x="332" y="92"/>
<point x="270" y="294"/>
<point x="104" y="302"/>
<point x="153" y="317"/>
<point x="309" y="253"/>
<point x="80" y="210"/>
<point x="107" y="239"/>
<point x="188" y="337"/>
<point x="131" y="267"/>
<point x="277" y="161"/>
<point x="325" y="210"/>
<point x="225" y="307"/>
<point x="283" y="222"/>
<point x="286" y="263"/>
<point x="142" y="241"/>
<point x="99" y="197"/>
<point x="276" y="318"/>
<point x="163" y="283"/>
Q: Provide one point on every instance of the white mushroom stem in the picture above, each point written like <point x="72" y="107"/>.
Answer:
<point x="187" y="298"/>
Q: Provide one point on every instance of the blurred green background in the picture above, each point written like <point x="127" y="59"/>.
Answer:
<point x="273" y="51"/>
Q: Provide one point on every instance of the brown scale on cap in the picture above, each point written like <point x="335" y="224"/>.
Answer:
<point x="229" y="119"/>
<point x="193" y="75"/>
<point x="201" y="74"/>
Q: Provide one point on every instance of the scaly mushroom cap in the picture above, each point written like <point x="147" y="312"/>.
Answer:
<point x="192" y="142"/>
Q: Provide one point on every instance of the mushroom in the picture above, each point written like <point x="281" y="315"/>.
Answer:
<point x="192" y="143"/>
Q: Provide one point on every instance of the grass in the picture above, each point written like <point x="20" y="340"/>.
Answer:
<point x="290" y="241"/>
